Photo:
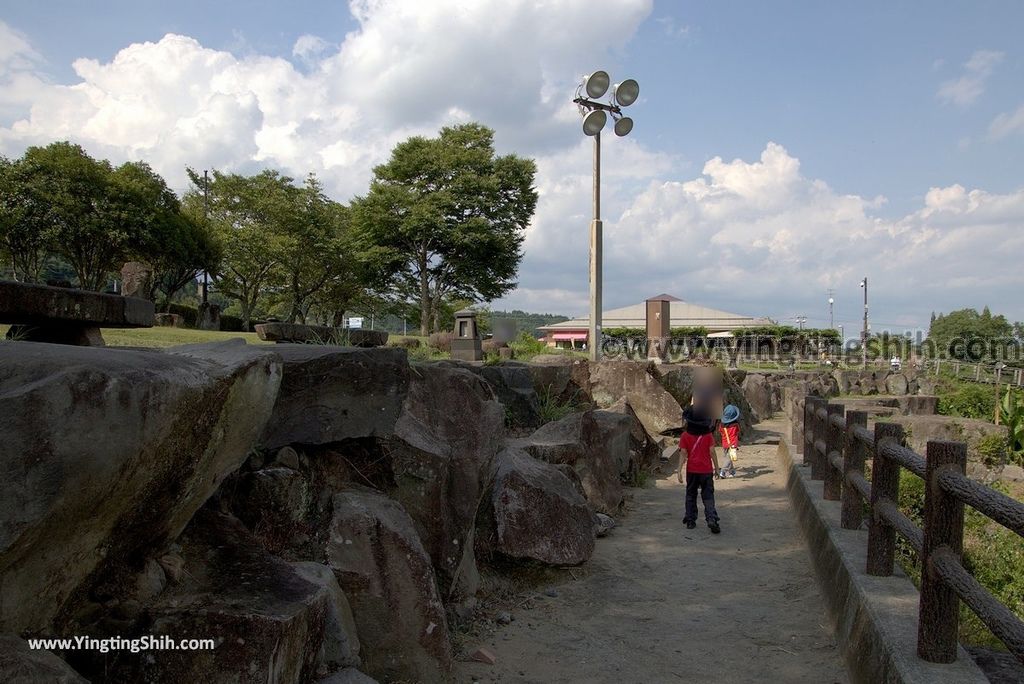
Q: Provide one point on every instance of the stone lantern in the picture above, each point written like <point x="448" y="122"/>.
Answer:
<point x="466" y="343"/>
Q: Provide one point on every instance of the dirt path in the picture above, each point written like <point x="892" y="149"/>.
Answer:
<point x="660" y="603"/>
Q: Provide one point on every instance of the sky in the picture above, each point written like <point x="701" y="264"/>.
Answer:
<point x="780" y="150"/>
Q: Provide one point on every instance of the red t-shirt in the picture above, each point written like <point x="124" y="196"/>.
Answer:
<point x="698" y="449"/>
<point x="730" y="435"/>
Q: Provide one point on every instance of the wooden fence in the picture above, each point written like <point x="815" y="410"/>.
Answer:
<point x="987" y="374"/>
<point x="836" y="446"/>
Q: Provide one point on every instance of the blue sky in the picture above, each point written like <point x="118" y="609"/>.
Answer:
<point x="780" y="149"/>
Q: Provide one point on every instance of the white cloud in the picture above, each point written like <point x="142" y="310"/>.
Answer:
<point x="409" y="68"/>
<point x="671" y="29"/>
<point x="309" y="47"/>
<point x="763" y="239"/>
<point x="755" y="237"/>
<point x="965" y="90"/>
<point x="1007" y="124"/>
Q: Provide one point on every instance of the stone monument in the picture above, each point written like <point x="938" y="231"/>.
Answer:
<point x="466" y="343"/>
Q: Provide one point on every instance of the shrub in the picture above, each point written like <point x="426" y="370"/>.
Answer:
<point x="992" y="449"/>
<point x="526" y="346"/>
<point x="442" y="341"/>
<point x="406" y="343"/>
<point x="969" y="400"/>
<point x="232" y="324"/>
<point x="490" y="347"/>
<point x="188" y="313"/>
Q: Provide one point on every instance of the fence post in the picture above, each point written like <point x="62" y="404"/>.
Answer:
<point x="798" y="424"/>
<point x="943" y="526"/>
<point x="853" y="462"/>
<point x="977" y="373"/>
<point x="833" y="442"/>
<point x="817" y="433"/>
<point x="807" y="436"/>
<point x="885" y="484"/>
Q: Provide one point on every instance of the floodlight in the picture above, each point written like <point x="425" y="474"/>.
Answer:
<point x="594" y="122"/>
<point x="623" y="126"/>
<point x="625" y="93"/>
<point x="596" y="84"/>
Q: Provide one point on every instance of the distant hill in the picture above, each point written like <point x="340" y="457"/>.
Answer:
<point x="527" y="321"/>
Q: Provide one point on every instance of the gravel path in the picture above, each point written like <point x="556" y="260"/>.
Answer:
<point x="660" y="603"/>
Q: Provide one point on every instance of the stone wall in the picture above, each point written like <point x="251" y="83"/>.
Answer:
<point x="288" y="501"/>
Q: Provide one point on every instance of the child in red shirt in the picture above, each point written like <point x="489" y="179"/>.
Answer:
<point x="695" y="446"/>
<point x="730" y="431"/>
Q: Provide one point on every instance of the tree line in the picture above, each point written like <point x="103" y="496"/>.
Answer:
<point x="440" y="226"/>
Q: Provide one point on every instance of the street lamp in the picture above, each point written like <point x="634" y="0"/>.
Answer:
<point x="595" y="116"/>
<point x="864" y="334"/>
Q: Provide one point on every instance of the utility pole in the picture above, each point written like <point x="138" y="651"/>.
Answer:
<point x="831" y="316"/>
<point x="206" y="222"/>
<point x="864" y="333"/>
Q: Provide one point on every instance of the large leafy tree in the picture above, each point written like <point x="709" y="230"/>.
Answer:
<point x="956" y="331"/>
<point x="244" y="213"/>
<point x="60" y="200"/>
<point x="279" y="242"/>
<point x="23" y="241"/>
<point x="313" y="250"/>
<point x="445" y="219"/>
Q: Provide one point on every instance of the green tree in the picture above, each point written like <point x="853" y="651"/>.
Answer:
<point x="174" y="243"/>
<point x="968" y="335"/>
<point x="314" y="251"/>
<point x="445" y="219"/>
<point x="90" y="214"/>
<point x="244" y="217"/>
<point x="23" y="243"/>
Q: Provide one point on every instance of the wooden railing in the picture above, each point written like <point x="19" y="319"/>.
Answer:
<point x="988" y="374"/>
<point x="836" y="446"/>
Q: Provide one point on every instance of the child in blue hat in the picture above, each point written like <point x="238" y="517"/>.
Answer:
<point x="730" y="433"/>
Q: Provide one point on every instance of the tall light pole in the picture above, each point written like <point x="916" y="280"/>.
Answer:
<point x="206" y="222"/>
<point x="595" y="116"/>
<point x="831" y="316"/>
<point x="864" y="333"/>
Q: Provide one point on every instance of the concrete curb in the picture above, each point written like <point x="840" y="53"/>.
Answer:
<point x="875" y="618"/>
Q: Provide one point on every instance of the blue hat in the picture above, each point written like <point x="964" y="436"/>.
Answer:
<point x="731" y="414"/>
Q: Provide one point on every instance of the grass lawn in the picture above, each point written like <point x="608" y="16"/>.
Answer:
<point x="164" y="337"/>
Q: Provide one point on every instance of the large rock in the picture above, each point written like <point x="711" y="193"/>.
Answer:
<point x="340" y="647"/>
<point x="330" y="394"/>
<point x="561" y="378"/>
<point x="266" y="619"/>
<point x="921" y="429"/>
<point x="349" y="675"/>
<point x="897" y="384"/>
<point x="388" y="578"/>
<point x="107" y="454"/>
<point x="320" y="335"/>
<point x="644" y="451"/>
<point x="59" y="315"/>
<point x="537" y="514"/>
<point x="759" y="395"/>
<point x="656" y="408"/>
<point x="512" y="383"/>
<point x="919" y="404"/>
<point x="595" y="444"/>
<point x="445" y="440"/>
<point x="20" y="664"/>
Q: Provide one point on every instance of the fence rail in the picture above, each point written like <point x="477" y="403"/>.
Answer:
<point x="836" y="444"/>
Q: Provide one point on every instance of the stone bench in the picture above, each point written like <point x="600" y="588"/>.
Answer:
<point x="40" y="313"/>
<point x="319" y="334"/>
